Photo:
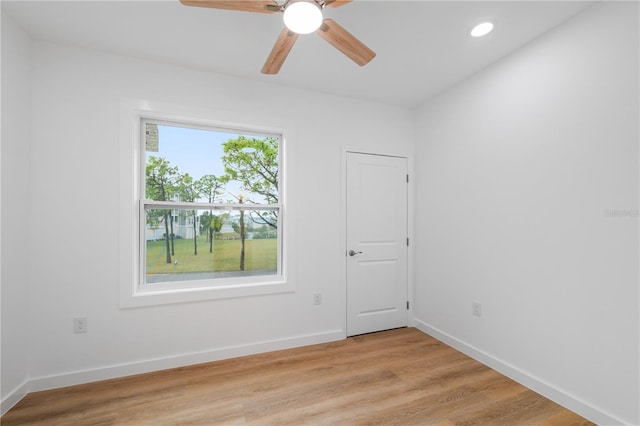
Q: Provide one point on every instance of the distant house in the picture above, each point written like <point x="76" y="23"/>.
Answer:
<point x="182" y="227"/>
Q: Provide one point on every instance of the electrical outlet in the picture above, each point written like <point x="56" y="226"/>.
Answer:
<point x="476" y="309"/>
<point x="317" y="298"/>
<point x="80" y="325"/>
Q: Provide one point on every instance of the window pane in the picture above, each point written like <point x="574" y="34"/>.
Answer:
<point x="197" y="165"/>
<point x="201" y="244"/>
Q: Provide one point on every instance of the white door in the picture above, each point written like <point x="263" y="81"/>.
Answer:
<point x="376" y="243"/>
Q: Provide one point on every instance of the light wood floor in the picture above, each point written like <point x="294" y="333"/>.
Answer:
<point x="397" y="377"/>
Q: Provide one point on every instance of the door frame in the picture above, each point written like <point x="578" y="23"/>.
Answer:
<point x="343" y="227"/>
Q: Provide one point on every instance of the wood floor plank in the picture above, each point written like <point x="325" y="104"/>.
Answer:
<point x="430" y="409"/>
<point x="397" y="377"/>
<point x="523" y="408"/>
<point x="564" y="418"/>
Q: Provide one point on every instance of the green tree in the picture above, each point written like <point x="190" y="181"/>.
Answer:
<point x="254" y="163"/>
<point x="160" y="186"/>
<point x="216" y="223"/>
<point x="210" y="186"/>
<point x="188" y="191"/>
<point x="241" y="229"/>
<point x="211" y="224"/>
<point x="205" y="222"/>
<point x="264" y="232"/>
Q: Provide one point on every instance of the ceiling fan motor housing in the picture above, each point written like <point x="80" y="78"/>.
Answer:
<point x="302" y="16"/>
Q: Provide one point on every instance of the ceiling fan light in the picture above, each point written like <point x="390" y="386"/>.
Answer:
<point x="303" y="17"/>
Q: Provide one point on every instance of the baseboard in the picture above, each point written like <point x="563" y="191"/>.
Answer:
<point x="149" y="365"/>
<point x="545" y="389"/>
<point x="14" y="397"/>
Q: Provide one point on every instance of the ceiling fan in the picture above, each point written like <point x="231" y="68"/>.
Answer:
<point x="300" y="17"/>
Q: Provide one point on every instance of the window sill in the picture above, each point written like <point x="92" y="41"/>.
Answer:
<point x="157" y="295"/>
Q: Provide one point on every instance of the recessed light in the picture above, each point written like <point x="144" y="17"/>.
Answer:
<point x="481" y="29"/>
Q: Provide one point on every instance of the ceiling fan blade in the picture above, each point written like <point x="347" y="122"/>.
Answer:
<point x="280" y="51"/>
<point x="260" y="6"/>
<point x="336" y="3"/>
<point x="345" y="42"/>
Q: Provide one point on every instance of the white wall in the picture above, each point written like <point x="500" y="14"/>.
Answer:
<point x="75" y="173"/>
<point x="527" y="202"/>
<point x="16" y="227"/>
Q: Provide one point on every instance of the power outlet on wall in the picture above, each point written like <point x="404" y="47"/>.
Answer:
<point x="317" y="298"/>
<point x="476" y="309"/>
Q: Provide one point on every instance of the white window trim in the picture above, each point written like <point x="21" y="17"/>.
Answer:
<point x="131" y="293"/>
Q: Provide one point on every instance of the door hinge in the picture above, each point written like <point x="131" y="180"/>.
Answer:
<point x="407" y="178"/>
<point x="407" y="305"/>
<point x="407" y="241"/>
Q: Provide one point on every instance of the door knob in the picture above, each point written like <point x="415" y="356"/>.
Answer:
<point x="353" y="252"/>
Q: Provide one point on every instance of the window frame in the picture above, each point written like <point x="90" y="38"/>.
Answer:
<point x="134" y="292"/>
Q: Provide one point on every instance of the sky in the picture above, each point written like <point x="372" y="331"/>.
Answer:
<point x="194" y="151"/>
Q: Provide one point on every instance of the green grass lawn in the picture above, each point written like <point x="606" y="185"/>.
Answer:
<point x="259" y="255"/>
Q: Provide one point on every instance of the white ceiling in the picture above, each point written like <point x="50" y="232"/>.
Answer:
<point x="422" y="47"/>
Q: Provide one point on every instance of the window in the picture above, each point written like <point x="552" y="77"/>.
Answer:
<point x="202" y="204"/>
<point x="210" y="207"/>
